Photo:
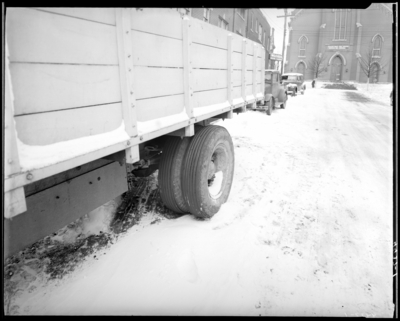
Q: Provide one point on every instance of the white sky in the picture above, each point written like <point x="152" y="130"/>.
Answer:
<point x="278" y="24"/>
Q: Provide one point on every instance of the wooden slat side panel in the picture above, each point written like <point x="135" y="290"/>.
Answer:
<point x="211" y="97"/>
<point x="237" y="74"/>
<point x="48" y="87"/>
<point x="206" y="79"/>
<point x="153" y="50"/>
<point x="53" y="127"/>
<point x="243" y="77"/>
<point x="249" y="62"/>
<point x="153" y="108"/>
<point x="237" y="60"/>
<point x="237" y="92"/>
<point x="258" y="77"/>
<point x="208" y="34"/>
<point x="209" y="57"/>
<point x="249" y="89"/>
<point x="159" y="21"/>
<point x="155" y="82"/>
<point x="237" y="43"/>
<point x="36" y="36"/>
<point x="249" y="77"/>
<point x="250" y="47"/>
<point x="103" y="15"/>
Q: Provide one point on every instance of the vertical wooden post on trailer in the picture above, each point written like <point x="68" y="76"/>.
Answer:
<point x="124" y="42"/>
<point x="230" y="75"/>
<point x="262" y="67"/>
<point x="244" y="54"/>
<point x="188" y="74"/>
<point x="14" y="199"/>
<point x="255" y="74"/>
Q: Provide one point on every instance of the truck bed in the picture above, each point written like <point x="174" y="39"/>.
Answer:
<point x="85" y="83"/>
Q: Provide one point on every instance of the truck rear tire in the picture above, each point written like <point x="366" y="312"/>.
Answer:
<point x="270" y="105"/>
<point x="207" y="171"/>
<point x="170" y="173"/>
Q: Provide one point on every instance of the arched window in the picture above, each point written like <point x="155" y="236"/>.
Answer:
<point x="377" y="45"/>
<point x="339" y="33"/>
<point x="302" y="46"/>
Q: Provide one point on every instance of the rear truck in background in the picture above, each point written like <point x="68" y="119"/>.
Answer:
<point x="294" y="83"/>
<point x="275" y="92"/>
<point x="94" y="93"/>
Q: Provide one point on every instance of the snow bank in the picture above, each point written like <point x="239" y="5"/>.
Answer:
<point x="379" y="92"/>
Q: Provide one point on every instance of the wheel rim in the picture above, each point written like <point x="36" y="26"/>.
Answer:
<point x="217" y="171"/>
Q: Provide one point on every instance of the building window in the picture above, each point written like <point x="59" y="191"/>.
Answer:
<point x="376" y="49"/>
<point x="302" y="46"/>
<point x="241" y="12"/>
<point x="339" y="33"/>
<point x="260" y="31"/>
<point x="206" y="14"/>
<point x="222" y="22"/>
<point x="251" y="22"/>
<point x="265" y="39"/>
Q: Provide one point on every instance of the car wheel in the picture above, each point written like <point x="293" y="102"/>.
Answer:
<point x="269" y="108"/>
<point x="207" y="171"/>
<point x="169" y="175"/>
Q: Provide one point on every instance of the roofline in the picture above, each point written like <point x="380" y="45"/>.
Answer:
<point x="382" y="4"/>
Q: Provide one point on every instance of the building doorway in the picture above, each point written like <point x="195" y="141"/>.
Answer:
<point x="375" y="71"/>
<point x="301" y="68"/>
<point x="336" y="69"/>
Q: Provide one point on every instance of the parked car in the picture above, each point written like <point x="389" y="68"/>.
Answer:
<point x="274" y="92"/>
<point x="294" y="82"/>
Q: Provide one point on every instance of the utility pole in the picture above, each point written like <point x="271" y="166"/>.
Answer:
<point x="284" y="38"/>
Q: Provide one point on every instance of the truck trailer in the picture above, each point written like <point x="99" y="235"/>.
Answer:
<point x="92" y="94"/>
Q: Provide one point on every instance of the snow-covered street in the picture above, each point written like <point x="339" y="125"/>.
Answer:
<point x="307" y="229"/>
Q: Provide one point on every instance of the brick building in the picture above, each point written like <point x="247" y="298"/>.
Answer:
<point x="342" y="37"/>
<point x="249" y="23"/>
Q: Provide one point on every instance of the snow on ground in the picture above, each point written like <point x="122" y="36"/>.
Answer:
<point x="307" y="229"/>
<point x="376" y="91"/>
<point x="379" y="92"/>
